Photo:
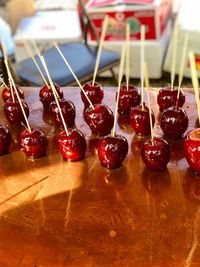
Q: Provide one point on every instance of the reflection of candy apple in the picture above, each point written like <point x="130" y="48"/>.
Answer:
<point x="191" y="149"/>
<point x="112" y="150"/>
<point x="191" y="187"/>
<point x="94" y="93"/>
<point x="5" y="140"/>
<point x="34" y="143"/>
<point x="156" y="184"/>
<point x="72" y="146"/>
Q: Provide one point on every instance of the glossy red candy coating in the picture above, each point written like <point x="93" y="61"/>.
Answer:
<point x="72" y="147"/>
<point x="139" y="120"/>
<point x="167" y="98"/>
<point x="94" y="92"/>
<point x="5" y="140"/>
<point x="34" y="143"/>
<point x="192" y="149"/>
<point x="128" y="99"/>
<point x="100" y="119"/>
<point x="174" y="122"/>
<point x="13" y="112"/>
<point x="112" y="151"/>
<point x="6" y="93"/>
<point x="68" y="110"/>
<point x="155" y="155"/>
<point x="46" y="95"/>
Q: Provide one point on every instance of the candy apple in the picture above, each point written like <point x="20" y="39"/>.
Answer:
<point x="192" y="149"/>
<point x="34" y="143"/>
<point x="68" y="111"/>
<point x="167" y="98"/>
<point x="46" y="95"/>
<point x="139" y="120"/>
<point x="13" y="112"/>
<point x="128" y="98"/>
<point x="72" y="146"/>
<point x="94" y="93"/>
<point x="100" y="119"/>
<point x="112" y="150"/>
<point x="156" y="154"/>
<point x="174" y="122"/>
<point x="6" y="93"/>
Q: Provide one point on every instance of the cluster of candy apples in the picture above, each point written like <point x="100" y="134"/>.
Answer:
<point x="174" y="122"/>
<point x="112" y="149"/>
<point x="72" y="144"/>
<point x="34" y="142"/>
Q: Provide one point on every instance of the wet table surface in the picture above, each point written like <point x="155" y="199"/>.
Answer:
<point x="55" y="213"/>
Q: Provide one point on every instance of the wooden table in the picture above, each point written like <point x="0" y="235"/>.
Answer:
<point x="54" y="213"/>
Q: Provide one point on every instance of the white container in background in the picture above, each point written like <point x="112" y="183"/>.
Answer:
<point x="154" y="14"/>
<point x="189" y="23"/>
<point x="154" y="55"/>
<point x="46" y="27"/>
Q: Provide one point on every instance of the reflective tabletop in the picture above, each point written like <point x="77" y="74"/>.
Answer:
<point x="58" y="213"/>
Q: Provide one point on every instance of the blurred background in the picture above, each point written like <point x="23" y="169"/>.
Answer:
<point x="62" y="21"/>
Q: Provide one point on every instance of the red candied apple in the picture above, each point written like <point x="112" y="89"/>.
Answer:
<point x="128" y="99"/>
<point x="6" y="93"/>
<point x="14" y="113"/>
<point x="100" y="119"/>
<point x="34" y="143"/>
<point x="94" y="93"/>
<point x="112" y="151"/>
<point x="156" y="154"/>
<point x="174" y="122"/>
<point x="5" y="140"/>
<point x="68" y="111"/>
<point x="191" y="149"/>
<point x="139" y="120"/>
<point x="72" y="146"/>
<point x="167" y="98"/>
<point x="46" y="95"/>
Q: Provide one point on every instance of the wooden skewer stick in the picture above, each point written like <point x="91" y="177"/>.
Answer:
<point x="142" y="56"/>
<point x="174" y="52"/>
<point x="182" y="67"/>
<point x="103" y="33"/>
<point x="69" y="67"/>
<point x="121" y="67"/>
<point x="195" y="81"/>
<point x="183" y="60"/>
<point x="146" y="76"/>
<point x="34" y="44"/>
<point x="127" y="54"/>
<point x="17" y="94"/>
<point x="54" y="93"/>
<point x="7" y="69"/>
<point x="29" y="51"/>
<point x="2" y="81"/>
